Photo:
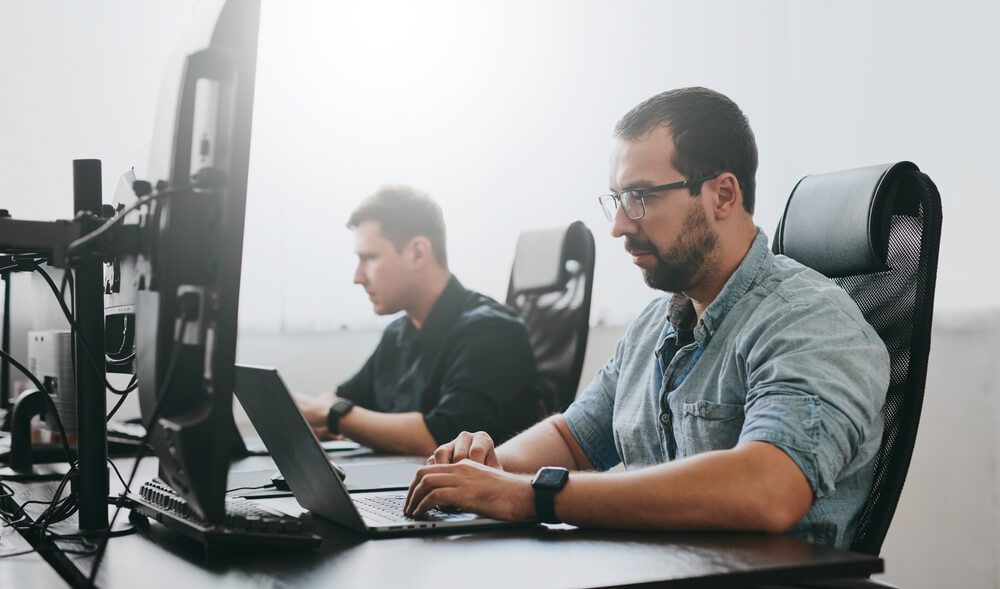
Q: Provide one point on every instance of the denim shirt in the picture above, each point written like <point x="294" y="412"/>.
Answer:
<point x="783" y="355"/>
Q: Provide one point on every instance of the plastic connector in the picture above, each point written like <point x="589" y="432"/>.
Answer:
<point x="142" y="188"/>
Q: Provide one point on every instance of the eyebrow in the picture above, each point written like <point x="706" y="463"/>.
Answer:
<point x="636" y="185"/>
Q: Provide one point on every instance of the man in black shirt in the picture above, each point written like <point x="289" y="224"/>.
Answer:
<point x="458" y="360"/>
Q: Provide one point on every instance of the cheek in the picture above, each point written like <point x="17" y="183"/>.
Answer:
<point x="664" y="234"/>
<point x="385" y="276"/>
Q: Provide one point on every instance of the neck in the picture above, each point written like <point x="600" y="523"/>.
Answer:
<point x="427" y="294"/>
<point x="720" y="268"/>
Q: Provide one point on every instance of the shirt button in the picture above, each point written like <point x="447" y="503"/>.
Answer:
<point x="665" y="418"/>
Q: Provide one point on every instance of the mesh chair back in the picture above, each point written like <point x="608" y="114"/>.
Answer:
<point x="550" y="286"/>
<point x="888" y="264"/>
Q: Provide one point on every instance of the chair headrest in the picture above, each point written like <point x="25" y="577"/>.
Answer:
<point x="838" y="223"/>
<point x="544" y="257"/>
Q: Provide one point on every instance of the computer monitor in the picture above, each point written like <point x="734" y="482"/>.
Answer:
<point x="186" y="277"/>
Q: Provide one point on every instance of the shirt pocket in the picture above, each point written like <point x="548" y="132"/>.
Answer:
<point x="705" y="426"/>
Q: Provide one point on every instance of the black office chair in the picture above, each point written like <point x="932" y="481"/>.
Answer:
<point x="550" y="284"/>
<point x="876" y="232"/>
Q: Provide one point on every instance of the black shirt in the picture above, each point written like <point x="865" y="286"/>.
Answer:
<point x="470" y="367"/>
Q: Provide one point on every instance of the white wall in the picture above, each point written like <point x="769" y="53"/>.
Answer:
<point x="503" y="112"/>
<point x="946" y="532"/>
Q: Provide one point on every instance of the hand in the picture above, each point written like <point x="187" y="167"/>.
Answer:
<point x="315" y="410"/>
<point x="477" y="447"/>
<point x="474" y="487"/>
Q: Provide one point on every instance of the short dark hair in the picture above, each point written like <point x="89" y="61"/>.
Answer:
<point x="404" y="213"/>
<point x="709" y="130"/>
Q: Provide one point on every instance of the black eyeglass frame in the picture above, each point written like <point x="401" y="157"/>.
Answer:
<point x="640" y="194"/>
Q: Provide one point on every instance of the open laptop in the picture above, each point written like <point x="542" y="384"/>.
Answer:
<point x="312" y="477"/>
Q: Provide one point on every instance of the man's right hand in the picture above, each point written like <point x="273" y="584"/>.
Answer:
<point x="315" y="410"/>
<point x="477" y="447"/>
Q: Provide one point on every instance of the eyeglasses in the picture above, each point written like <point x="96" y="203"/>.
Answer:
<point x="634" y="201"/>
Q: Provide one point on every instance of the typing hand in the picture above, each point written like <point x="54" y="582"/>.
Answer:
<point x="477" y="447"/>
<point x="474" y="487"/>
<point x="315" y="410"/>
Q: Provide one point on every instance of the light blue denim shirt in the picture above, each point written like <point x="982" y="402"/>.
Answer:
<point x="782" y="356"/>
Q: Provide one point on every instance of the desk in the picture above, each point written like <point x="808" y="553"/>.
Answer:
<point x="28" y="571"/>
<point x="510" y="558"/>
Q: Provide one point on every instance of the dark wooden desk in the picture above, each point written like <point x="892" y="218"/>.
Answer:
<point x="512" y="558"/>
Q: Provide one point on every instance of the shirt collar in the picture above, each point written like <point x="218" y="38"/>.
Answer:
<point x="746" y="275"/>
<point x="443" y="314"/>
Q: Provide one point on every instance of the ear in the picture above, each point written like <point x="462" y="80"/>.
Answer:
<point x="729" y="196"/>
<point x="419" y="252"/>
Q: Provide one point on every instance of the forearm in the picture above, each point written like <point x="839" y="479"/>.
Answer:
<point x="547" y="443"/>
<point x="403" y="433"/>
<point x="754" y="486"/>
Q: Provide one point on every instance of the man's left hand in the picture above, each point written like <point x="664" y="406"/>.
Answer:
<point x="470" y="486"/>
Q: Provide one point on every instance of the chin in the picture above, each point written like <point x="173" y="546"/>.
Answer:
<point x="385" y="310"/>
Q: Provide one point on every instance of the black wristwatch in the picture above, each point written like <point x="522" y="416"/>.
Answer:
<point x="340" y="408"/>
<point x="548" y="481"/>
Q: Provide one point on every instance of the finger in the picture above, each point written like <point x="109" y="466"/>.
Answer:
<point x="443" y="455"/>
<point x="436" y="497"/>
<point x="462" y="443"/>
<point x="430" y="481"/>
<point x="409" y="492"/>
<point x="416" y="487"/>
<point x="481" y="447"/>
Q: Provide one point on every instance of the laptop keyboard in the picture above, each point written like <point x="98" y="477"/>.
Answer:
<point x="388" y="509"/>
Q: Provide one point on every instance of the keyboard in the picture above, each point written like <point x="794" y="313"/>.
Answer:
<point x="246" y="523"/>
<point x="388" y="509"/>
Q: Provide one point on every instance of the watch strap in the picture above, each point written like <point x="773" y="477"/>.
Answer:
<point x="340" y="408"/>
<point x="545" y="506"/>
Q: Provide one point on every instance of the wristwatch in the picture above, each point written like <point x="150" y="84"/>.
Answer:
<point x="340" y="408"/>
<point x="548" y="481"/>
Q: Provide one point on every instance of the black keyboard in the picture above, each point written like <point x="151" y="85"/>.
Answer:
<point x="246" y="523"/>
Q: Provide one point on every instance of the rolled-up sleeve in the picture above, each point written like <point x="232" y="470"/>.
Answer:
<point x="816" y="385"/>
<point x="590" y="416"/>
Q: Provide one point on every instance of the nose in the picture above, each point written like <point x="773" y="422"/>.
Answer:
<point x="623" y="225"/>
<point x="359" y="275"/>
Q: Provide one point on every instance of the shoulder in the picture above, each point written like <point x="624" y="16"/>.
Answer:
<point x="478" y="308"/>
<point x="796" y="293"/>
<point x="487" y="326"/>
<point x="395" y="328"/>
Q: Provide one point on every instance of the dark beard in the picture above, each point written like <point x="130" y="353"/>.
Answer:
<point x="677" y="269"/>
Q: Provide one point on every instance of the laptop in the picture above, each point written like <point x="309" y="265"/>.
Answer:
<point x="311" y="475"/>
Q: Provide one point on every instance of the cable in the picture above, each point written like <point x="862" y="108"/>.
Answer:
<point x="78" y="335"/>
<point x="161" y="395"/>
<point x="132" y="385"/>
<point x="117" y="472"/>
<point x="18" y="261"/>
<point x="121" y="348"/>
<point x="48" y="401"/>
<point x="119" y="362"/>
<point x="119" y="216"/>
<point x="267" y="486"/>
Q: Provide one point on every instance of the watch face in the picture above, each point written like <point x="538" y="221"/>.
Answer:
<point x="342" y="406"/>
<point x="551" y="477"/>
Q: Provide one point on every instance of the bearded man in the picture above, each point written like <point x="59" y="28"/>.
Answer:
<point x="749" y="397"/>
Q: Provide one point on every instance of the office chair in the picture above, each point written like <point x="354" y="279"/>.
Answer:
<point x="550" y="284"/>
<point x="875" y="231"/>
